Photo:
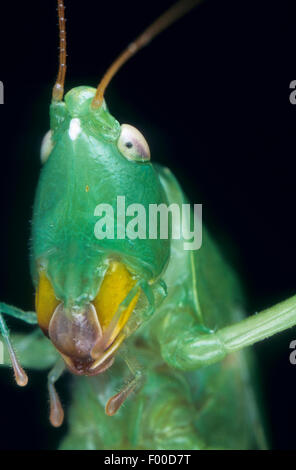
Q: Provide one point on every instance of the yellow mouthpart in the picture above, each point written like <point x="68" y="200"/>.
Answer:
<point x="45" y="301"/>
<point x="116" y="285"/>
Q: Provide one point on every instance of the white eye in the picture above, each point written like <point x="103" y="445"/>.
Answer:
<point x="132" y="144"/>
<point x="46" y="147"/>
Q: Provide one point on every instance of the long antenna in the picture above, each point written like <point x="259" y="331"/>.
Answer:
<point x="178" y="10"/>
<point x="58" y="89"/>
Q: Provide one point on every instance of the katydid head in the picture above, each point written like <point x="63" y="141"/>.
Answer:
<point x="90" y="267"/>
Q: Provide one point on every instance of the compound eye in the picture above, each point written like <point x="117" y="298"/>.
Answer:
<point x="46" y="147"/>
<point x="132" y="144"/>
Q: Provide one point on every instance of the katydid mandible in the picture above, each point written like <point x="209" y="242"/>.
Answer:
<point x="160" y="318"/>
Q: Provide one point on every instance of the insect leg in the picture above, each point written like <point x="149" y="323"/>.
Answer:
<point x="115" y="402"/>
<point x="28" y="317"/>
<point x="19" y="373"/>
<point x="34" y="349"/>
<point x="56" y="410"/>
<point x="189" y="349"/>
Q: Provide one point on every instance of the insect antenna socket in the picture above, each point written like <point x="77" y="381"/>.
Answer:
<point x="175" y="12"/>
<point x="58" y="89"/>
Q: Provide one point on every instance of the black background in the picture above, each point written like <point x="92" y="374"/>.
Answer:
<point x="211" y="95"/>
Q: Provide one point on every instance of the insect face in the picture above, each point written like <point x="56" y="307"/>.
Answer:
<point x="87" y="288"/>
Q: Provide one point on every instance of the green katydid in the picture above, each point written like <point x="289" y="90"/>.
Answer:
<point x="160" y="318"/>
